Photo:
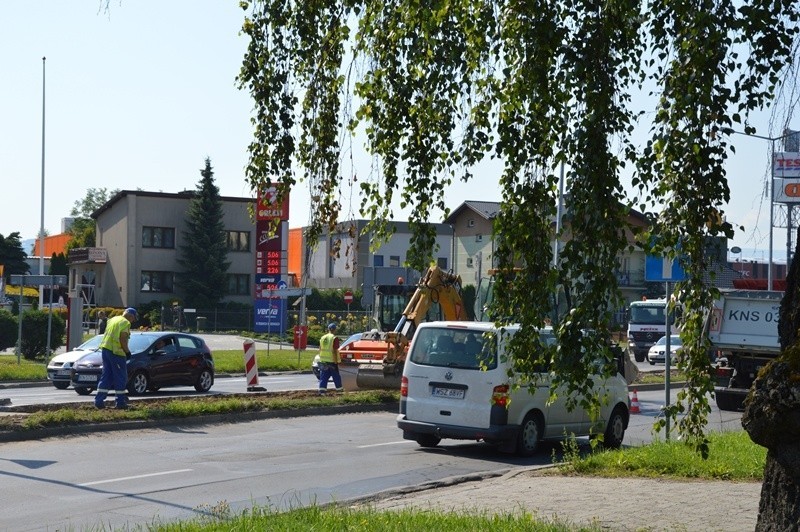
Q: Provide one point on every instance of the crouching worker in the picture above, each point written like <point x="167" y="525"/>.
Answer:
<point x="115" y="354"/>
<point x="329" y="360"/>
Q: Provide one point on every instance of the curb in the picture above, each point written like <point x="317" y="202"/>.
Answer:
<point x="34" y="384"/>
<point x="90" y="428"/>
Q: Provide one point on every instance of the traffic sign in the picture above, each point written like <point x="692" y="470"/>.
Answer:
<point x="35" y="280"/>
<point x="662" y="269"/>
<point x="348" y="297"/>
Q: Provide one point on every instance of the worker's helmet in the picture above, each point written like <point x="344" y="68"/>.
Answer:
<point x="331" y="326"/>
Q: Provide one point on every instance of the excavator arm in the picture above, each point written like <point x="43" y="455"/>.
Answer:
<point x="436" y="286"/>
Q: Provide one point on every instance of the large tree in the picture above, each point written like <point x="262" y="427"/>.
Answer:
<point x="204" y="252"/>
<point x="83" y="231"/>
<point x="435" y="87"/>
<point x="12" y="256"/>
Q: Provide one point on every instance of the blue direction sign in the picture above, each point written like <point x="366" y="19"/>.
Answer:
<point x="662" y="269"/>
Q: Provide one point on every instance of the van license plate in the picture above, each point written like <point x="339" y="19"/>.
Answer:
<point x="452" y="393"/>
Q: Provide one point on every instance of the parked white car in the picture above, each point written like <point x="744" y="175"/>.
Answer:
<point x="454" y="388"/>
<point x="59" y="369"/>
<point x="656" y="353"/>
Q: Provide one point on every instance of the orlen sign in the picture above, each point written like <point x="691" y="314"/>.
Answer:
<point x="268" y="208"/>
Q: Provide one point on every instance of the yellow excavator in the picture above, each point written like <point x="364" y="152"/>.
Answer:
<point x="379" y="356"/>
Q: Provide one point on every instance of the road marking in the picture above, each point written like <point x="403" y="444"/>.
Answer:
<point x="382" y="444"/>
<point x="122" y="479"/>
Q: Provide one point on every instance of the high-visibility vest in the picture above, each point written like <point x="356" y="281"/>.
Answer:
<point x="114" y="328"/>
<point x="326" y="348"/>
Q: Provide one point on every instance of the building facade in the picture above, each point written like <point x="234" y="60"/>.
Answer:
<point x="340" y="256"/>
<point x="137" y="251"/>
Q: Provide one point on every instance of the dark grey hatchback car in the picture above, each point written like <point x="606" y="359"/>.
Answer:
<point x="159" y="359"/>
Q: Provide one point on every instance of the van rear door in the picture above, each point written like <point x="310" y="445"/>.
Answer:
<point x="451" y="377"/>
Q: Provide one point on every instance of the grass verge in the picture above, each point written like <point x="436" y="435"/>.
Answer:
<point x="84" y="413"/>
<point x="732" y="456"/>
<point x="225" y="361"/>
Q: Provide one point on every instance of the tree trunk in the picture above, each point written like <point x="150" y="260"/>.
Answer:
<point x="772" y="416"/>
<point x="772" y="419"/>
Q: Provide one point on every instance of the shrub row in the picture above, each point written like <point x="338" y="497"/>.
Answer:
<point x="34" y="332"/>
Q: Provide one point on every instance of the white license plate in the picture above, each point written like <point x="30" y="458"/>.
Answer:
<point x="451" y="393"/>
<point x="63" y="372"/>
<point x="87" y="378"/>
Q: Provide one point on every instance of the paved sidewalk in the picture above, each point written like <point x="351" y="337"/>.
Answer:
<point x="624" y="504"/>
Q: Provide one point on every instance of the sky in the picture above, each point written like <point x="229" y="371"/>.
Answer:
<point x="138" y="98"/>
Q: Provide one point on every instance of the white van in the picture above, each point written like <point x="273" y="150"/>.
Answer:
<point x="454" y="388"/>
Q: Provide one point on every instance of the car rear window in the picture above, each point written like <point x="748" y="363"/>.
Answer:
<point x="453" y="348"/>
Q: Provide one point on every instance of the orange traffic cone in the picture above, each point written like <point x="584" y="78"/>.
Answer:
<point x="635" y="403"/>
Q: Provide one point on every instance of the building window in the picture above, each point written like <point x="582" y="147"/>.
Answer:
<point x="157" y="281"/>
<point x="238" y="240"/>
<point x="441" y="262"/>
<point x="478" y="238"/>
<point x="377" y="261"/>
<point x="394" y="261"/>
<point x="470" y="262"/>
<point x="158" y="237"/>
<point x="470" y="223"/>
<point x="238" y="284"/>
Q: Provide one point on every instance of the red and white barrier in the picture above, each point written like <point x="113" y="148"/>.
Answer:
<point x="251" y="367"/>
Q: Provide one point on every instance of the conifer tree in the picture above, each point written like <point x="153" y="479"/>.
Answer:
<point x="202" y="282"/>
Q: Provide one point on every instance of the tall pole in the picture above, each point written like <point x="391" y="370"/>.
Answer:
<point x="41" y="225"/>
<point x="771" y="211"/>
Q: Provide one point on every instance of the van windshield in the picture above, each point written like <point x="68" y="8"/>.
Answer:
<point x="453" y="348"/>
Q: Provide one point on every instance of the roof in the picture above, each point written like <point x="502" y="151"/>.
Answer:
<point x="186" y="195"/>
<point x="486" y="209"/>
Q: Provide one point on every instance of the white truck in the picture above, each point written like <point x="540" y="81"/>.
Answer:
<point x="743" y="326"/>
<point x="646" y="325"/>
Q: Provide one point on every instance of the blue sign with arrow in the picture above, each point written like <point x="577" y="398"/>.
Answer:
<point x="663" y="269"/>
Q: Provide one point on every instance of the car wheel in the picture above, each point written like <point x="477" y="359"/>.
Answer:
<point x="615" y="432"/>
<point x="204" y="381"/>
<point x="83" y="391"/>
<point x="61" y="385"/>
<point x="530" y="434"/>
<point x="138" y="383"/>
<point x="428" y="440"/>
<point x="652" y="362"/>
<point x="638" y="357"/>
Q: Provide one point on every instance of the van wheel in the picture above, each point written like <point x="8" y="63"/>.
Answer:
<point x="615" y="432"/>
<point x="639" y="357"/>
<point x="428" y="440"/>
<point x="530" y="434"/>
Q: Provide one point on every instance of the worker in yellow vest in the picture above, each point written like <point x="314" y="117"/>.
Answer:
<point x="116" y="352"/>
<point x="329" y="360"/>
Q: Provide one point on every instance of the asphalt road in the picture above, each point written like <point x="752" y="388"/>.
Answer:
<point x="123" y="478"/>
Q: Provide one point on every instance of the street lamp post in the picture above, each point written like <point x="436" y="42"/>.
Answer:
<point x="41" y="226"/>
